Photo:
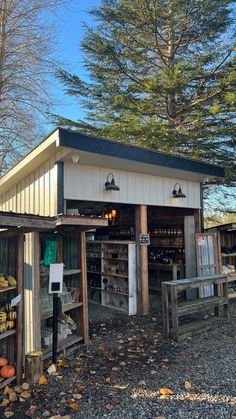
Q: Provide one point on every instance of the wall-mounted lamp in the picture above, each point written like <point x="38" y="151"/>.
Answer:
<point x="75" y="158"/>
<point x="110" y="183"/>
<point x="177" y="191"/>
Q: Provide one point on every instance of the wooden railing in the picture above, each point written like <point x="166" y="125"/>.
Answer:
<point x="183" y="317"/>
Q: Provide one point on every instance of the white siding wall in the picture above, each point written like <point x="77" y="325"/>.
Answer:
<point x="87" y="183"/>
<point x="35" y="194"/>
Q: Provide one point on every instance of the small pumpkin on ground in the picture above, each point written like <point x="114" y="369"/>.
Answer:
<point x="3" y="361"/>
<point x="8" y="371"/>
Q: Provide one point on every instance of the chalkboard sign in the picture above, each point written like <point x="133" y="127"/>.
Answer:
<point x="144" y="239"/>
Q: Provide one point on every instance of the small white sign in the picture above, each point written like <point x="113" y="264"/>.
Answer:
<point x="16" y="300"/>
<point x="55" y="278"/>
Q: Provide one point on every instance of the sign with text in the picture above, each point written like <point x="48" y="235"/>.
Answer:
<point x="144" y="239"/>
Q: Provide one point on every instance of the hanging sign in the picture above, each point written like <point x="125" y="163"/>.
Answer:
<point x="144" y="239"/>
<point x="16" y="300"/>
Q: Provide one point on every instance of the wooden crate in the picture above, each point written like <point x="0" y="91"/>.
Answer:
<point x="176" y="308"/>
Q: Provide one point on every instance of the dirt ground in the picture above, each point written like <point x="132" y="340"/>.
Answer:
<point x="129" y="371"/>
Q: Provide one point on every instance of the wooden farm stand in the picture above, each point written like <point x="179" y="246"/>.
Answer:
<point x="15" y="230"/>
<point x="175" y="306"/>
<point x="13" y="227"/>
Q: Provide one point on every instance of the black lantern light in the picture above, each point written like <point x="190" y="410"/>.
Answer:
<point x="110" y="184"/>
<point x="177" y="191"/>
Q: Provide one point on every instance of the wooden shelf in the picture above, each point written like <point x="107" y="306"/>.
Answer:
<point x="8" y="333"/>
<point x="174" y="246"/>
<point x="66" y="272"/>
<point x="5" y="383"/>
<point x="114" y="259"/>
<point x="95" y="288"/>
<point x="93" y="257"/>
<point x="121" y="276"/>
<point x="7" y="289"/>
<point x="93" y="272"/>
<point x="66" y="307"/>
<point x="69" y="341"/>
<point x="226" y="255"/>
<point x="159" y="236"/>
<point x="115" y="292"/>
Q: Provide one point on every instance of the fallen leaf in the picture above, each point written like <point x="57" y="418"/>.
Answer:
<point x="60" y="363"/>
<point x="22" y="400"/>
<point x="77" y="396"/>
<point x="79" y="369"/>
<point x="8" y="414"/>
<point x="25" y="386"/>
<point x="107" y="380"/>
<point x="43" y="380"/>
<point x="187" y="384"/>
<point x="46" y="414"/>
<point x="115" y="402"/>
<point x="79" y="389"/>
<point x="5" y="402"/>
<point x="121" y="386"/>
<point x="166" y="391"/>
<point x="109" y="406"/>
<point x="142" y="383"/>
<point x="52" y="369"/>
<point x="153" y="372"/>
<point x="7" y="390"/>
<point x="13" y="397"/>
<point x="74" y="406"/>
<point x="115" y="369"/>
<point x="93" y="372"/>
<point x="122" y="364"/>
<point x="25" y="394"/>
<point x="30" y="412"/>
<point x="18" y="389"/>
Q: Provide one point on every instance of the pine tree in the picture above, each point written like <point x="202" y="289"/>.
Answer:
<point x="162" y="76"/>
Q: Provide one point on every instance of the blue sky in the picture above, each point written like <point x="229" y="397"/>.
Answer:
<point x="70" y="20"/>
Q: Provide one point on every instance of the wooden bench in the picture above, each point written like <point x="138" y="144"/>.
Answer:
<point x="174" y="305"/>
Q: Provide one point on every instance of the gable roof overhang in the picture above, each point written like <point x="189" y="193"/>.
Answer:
<point x="101" y="152"/>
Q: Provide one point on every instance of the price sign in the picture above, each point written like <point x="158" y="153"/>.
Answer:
<point x="144" y="239"/>
<point x="16" y="300"/>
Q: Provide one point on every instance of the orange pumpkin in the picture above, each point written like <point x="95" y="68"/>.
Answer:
<point x="8" y="371"/>
<point x="3" y="362"/>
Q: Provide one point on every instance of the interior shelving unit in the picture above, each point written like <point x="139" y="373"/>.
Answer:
<point x="93" y="253"/>
<point x="166" y="255"/>
<point x="115" y="282"/>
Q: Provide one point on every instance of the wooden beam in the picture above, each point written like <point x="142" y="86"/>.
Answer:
<point x="197" y="218"/>
<point x="19" y="323"/>
<point x="141" y="228"/>
<point x="75" y="220"/>
<point x="37" y="292"/>
<point x="83" y="288"/>
<point x="32" y="222"/>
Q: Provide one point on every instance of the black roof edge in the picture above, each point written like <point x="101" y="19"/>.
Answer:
<point x="129" y="152"/>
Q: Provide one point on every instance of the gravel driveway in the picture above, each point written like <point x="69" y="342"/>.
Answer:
<point x="121" y="372"/>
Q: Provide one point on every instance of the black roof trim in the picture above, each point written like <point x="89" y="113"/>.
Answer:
<point x="128" y="152"/>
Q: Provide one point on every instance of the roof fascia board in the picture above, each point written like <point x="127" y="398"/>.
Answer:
<point x="123" y="151"/>
<point x="53" y="137"/>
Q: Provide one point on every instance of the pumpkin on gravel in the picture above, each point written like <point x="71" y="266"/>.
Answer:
<point x="3" y="362"/>
<point x="8" y="371"/>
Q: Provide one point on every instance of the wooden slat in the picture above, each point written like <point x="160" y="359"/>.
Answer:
<point x="20" y="320"/>
<point x="197" y="305"/>
<point x="37" y="292"/>
<point x="141" y="228"/>
<point x="83" y="288"/>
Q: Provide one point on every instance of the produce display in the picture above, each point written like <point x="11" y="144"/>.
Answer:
<point x="6" y="370"/>
<point x="7" y="318"/>
<point x="7" y="282"/>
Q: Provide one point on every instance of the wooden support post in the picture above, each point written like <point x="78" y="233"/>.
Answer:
<point x="141" y="228"/>
<point x="83" y="288"/>
<point x="37" y="292"/>
<point x="19" y="323"/>
<point x="33" y="367"/>
<point x="197" y="219"/>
